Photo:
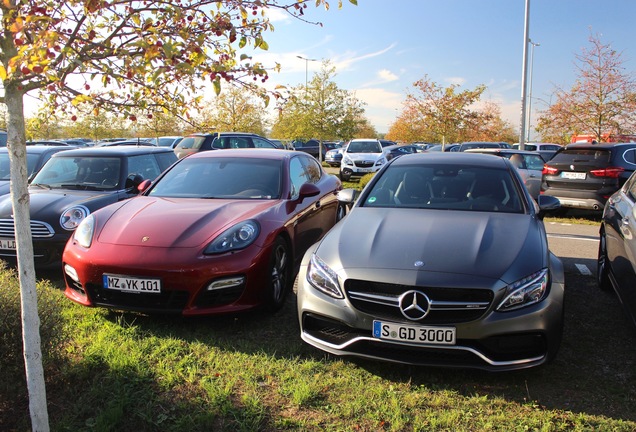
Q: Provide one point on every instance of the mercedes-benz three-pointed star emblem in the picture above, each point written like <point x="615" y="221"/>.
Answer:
<point x="414" y="305"/>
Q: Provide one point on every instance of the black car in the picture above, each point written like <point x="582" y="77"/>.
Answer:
<point x="220" y="140"/>
<point x="73" y="184"/>
<point x="396" y="150"/>
<point x="312" y="147"/>
<point x="617" y="247"/>
<point x="585" y="175"/>
<point x="36" y="156"/>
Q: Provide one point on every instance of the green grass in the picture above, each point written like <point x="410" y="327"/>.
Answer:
<point x="123" y="371"/>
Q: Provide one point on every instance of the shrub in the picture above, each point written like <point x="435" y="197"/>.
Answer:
<point x="51" y="323"/>
<point x="365" y="179"/>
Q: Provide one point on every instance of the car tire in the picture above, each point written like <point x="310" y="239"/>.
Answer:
<point x="602" y="276"/>
<point x="279" y="283"/>
<point x="345" y="176"/>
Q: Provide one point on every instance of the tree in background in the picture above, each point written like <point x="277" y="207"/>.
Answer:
<point x="121" y="56"/>
<point x="602" y="100"/>
<point x="320" y="110"/>
<point x="442" y="113"/>
<point x="490" y="126"/>
<point x="234" y="110"/>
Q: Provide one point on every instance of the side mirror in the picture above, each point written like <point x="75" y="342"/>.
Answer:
<point x="347" y="196"/>
<point x="144" y="185"/>
<point x="547" y="204"/>
<point x="308" y="190"/>
<point x="133" y="181"/>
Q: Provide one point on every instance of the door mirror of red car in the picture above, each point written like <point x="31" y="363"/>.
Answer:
<point x="144" y="185"/>
<point x="308" y="190"/>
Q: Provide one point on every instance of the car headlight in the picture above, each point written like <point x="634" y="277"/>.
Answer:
<point x="381" y="161"/>
<point x="321" y="277"/>
<point x="84" y="232"/>
<point x="347" y="160"/>
<point x="237" y="237"/>
<point x="526" y="291"/>
<point x="72" y="216"/>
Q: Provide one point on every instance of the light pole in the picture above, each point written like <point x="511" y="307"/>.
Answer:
<point x="524" y="83"/>
<point x="307" y="60"/>
<point x="530" y="90"/>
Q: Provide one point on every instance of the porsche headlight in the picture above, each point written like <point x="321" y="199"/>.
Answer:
<point x="526" y="291"/>
<point x="323" y="278"/>
<point x="237" y="237"/>
<point x="84" y="232"/>
<point x="72" y="216"/>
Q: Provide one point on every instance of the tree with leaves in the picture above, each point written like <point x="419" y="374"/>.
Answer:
<point x="448" y="115"/>
<point x="601" y="102"/>
<point x="234" y="110"/>
<point x="123" y="56"/>
<point x="320" y="110"/>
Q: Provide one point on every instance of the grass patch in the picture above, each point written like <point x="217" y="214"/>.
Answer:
<point x="109" y="370"/>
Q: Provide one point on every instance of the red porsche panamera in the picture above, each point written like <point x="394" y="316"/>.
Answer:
<point x="218" y="232"/>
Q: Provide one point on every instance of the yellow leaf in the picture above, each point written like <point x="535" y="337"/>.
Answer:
<point x="3" y="73"/>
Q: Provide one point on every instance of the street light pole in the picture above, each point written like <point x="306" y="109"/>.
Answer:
<point x="524" y="84"/>
<point x="307" y="60"/>
<point x="530" y="91"/>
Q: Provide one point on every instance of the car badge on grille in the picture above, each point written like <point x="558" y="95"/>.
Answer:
<point x="414" y="305"/>
<point x="418" y="263"/>
<point x="145" y="239"/>
<point x="572" y="167"/>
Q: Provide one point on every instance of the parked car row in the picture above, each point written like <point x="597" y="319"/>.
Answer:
<point x="136" y="228"/>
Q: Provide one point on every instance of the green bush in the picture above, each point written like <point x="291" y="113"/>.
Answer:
<point x="51" y="323"/>
<point x="365" y="179"/>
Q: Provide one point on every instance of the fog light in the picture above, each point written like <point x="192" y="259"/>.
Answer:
<point x="226" y="283"/>
<point x="70" y="272"/>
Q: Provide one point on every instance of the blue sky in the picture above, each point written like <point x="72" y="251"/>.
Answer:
<point x="380" y="48"/>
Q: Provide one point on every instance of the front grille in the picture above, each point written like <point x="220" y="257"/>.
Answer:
<point x="364" y="164"/>
<point x="38" y="229"/>
<point x="448" y="305"/>
<point x="167" y="301"/>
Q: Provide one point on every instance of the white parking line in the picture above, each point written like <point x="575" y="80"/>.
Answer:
<point x="574" y="237"/>
<point x="583" y="269"/>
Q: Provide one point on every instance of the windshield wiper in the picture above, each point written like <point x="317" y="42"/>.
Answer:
<point x="81" y="186"/>
<point x="41" y="185"/>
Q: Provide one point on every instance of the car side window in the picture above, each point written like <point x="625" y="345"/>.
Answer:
<point x="261" y="143"/>
<point x="630" y="188"/>
<point x="144" y="165"/>
<point x="312" y="169"/>
<point x="630" y="156"/>
<point x="297" y="176"/>
<point x="166" y="159"/>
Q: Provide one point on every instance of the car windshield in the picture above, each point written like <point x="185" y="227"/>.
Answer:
<point x="364" y="147"/>
<point x="81" y="173"/>
<point x="224" y="178"/>
<point x="446" y="187"/>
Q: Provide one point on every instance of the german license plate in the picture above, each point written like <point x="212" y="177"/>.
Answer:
<point x="414" y="334"/>
<point x="7" y="244"/>
<point x="131" y="284"/>
<point x="573" y="175"/>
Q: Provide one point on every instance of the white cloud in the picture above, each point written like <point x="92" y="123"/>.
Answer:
<point x="387" y="76"/>
<point x="455" y="80"/>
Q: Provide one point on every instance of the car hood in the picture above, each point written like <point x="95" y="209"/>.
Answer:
<point x="165" y="222"/>
<point x="47" y="205"/>
<point x="479" y="244"/>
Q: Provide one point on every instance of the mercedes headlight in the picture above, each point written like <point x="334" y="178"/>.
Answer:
<point x="237" y="237"/>
<point x="526" y="291"/>
<point x="323" y="278"/>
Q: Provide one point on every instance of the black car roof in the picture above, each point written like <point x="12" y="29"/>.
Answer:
<point x="480" y="159"/>
<point x="120" y="151"/>
<point x="39" y="149"/>
<point x="598" y="145"/>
